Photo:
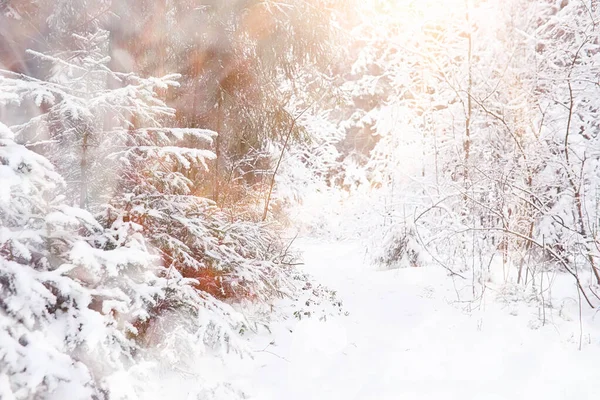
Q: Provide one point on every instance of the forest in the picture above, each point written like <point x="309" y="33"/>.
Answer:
<point x="188" y="185"/>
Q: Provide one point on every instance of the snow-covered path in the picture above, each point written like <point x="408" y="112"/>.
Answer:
<point x="402" y="340"/>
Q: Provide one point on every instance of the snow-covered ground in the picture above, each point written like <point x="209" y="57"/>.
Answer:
<point x="403" y="340"/>
<point x="406" y="337"/>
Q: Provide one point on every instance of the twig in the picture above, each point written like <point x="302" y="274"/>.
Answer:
<point x="270" y="352"/>
<point x="289" y="135"/>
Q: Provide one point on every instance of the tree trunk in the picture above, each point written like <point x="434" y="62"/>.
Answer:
<point x="83" y="166"/>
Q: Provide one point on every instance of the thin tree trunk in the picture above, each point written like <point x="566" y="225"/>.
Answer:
<point x="584" y="234"/>
<point x="216" y="188"/>
<point x="576" y="188"/>
<point x="467" y="143"/>
<point x="83" y="166"/>
<point x="287" y="139"/>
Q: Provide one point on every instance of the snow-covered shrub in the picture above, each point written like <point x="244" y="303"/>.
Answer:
<point x="400" y="248"/>
<point x="314" y="300"/>
<point x="68" y="301"/>
<point x="222" y="259"/>
<point x="39" y="323"/>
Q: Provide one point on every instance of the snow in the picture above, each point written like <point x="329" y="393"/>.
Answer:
<point x="407" y="337"/>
